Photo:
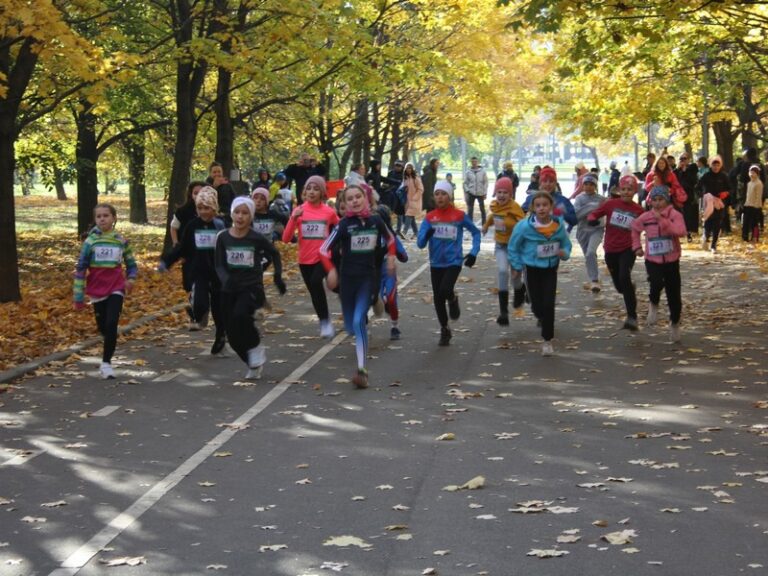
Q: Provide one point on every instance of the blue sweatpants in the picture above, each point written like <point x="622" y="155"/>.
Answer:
<point x="355" y="293"/>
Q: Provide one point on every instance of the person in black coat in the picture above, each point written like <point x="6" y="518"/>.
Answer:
<point x="688" y="176"/>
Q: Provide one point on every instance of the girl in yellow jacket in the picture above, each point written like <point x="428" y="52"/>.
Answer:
<point x="504" y="214"/>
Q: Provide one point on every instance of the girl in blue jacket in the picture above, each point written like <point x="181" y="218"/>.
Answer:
<point x="537" y="245"/>
<point x="443" y="228"/>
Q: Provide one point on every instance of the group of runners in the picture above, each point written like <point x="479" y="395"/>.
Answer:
<point x="351" y="248"/>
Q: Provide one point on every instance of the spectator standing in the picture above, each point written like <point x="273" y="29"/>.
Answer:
<point x="509" y="172"/>
<point x="428" y="179"/>
<point x="298" y="174"/>
<point x="687" y="175"/>
<point x="475" y="188"/>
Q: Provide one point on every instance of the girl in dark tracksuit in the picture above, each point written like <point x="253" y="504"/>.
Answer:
<point x="443" y="229"/>
<point x="358" y="234"/>
<point x="242" y="283"/>
<point x="197" y="247"/>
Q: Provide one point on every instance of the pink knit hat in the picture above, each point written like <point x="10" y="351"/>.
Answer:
<point x="547" y="171"/>
<point x="628" y="180"/>
<point x="260" y="191"/>
<point x="319" y="180"/>
<point x="505" y="184"/>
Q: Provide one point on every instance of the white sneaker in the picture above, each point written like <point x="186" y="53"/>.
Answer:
<point x="547" y="349"/>
<point x="253" y="374"/>
<point x="106" y="372"/>
<point x="326" y="329"/>
<point x="194" y="327"/>
<point x="653" y="313"/>
<point x="257" y="356"/>
<point x="674" y="332"/>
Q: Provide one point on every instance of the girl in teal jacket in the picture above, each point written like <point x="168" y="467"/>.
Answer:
<point x="537" y="245"/>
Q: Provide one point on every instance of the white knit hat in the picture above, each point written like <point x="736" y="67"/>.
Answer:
<point x="244" y="200"/>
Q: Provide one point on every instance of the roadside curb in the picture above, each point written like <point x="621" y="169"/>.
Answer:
<point x="21" y="370"/>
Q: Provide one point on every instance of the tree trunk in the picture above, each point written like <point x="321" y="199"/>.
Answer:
<point x="137" y="190"/>
<point x="9" y="259"/>
<point x="225" y="150"/>
<point x="87" y="157"/>
<point x="724" y="137"/>
<point x="58" y="183"/>
<point x="593" y="152"/>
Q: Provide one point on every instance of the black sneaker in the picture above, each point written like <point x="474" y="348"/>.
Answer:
<point x="502" y="320"/>
<point x="218" y="343"/>
<point x="453" y="308"/>
<point x="394" y="334"/>
<point x="445" y="337"/>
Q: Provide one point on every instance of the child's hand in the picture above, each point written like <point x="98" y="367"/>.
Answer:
<point x="562" y="254"/>
<point x="332" y="280"/>
<point x="128" y="286"/>
<point x="515" y="273"/>
<point x="79" y="306"/>
<point x="639" y="252"/>
<point x="298" y="212"/>
<point x="485" y="230"/>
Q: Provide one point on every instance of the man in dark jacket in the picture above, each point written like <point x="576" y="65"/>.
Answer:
<point x="298" y="173"/>
<point x="384" y="186"/>
<point x="510" y="173"/>
<point x="688" y="176"/>
<point x="429" y="179"/>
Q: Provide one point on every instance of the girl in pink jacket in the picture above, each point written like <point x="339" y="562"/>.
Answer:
<point x="663" y="226"/>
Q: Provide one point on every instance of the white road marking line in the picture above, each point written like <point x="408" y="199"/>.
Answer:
<point x="20" y="459"/>
<point x="106" y="411"/>
<point x="80" y="557"/>
<point x="166" y="377"/>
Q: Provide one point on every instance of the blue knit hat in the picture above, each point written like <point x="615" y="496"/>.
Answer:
<point x="659" y="190"/>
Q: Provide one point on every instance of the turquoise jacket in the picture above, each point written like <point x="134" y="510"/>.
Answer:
<point x="529" y="247"/>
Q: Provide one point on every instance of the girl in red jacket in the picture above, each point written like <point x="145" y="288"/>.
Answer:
<point x="662" y="175"/>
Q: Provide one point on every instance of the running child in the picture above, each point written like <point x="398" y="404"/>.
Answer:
<point x="358" y="235"/>
<point x="663" y="227"/>
<point x="562" y="205"/>
<point x="619" y="214"/>
<point x="505" y="213"/>
<point x="183" y="215"/>
<point x="537" y="245"/>
<point x="387" y="282"/>
<point x="197" y="247"/>
<point x="242" y="283"/>
<point x="314" y="219"/>
<point x="589" y="235"/>
<point x="270" y="223"/>
<point x="99" y="274"/>
<point x="443" y="229"/>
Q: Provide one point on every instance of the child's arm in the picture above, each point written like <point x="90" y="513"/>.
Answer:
<point x="514" y="250"/>
<point x="488" y="223"/>
<point x="637" y="227"/>
<point x="277" y="264"/>
<point x="293" y="222"/>
<point x="220" y="259"/>
<point x="476" y="239"/>
<point x="425" y="233"/>
<point x="671" y="223"/>
<point x="131" y="269"/>
<point x="81" y="269"/>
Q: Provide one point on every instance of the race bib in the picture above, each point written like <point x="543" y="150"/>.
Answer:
<point x="659" y="246"/>
<point x="548" y="249"/>
<point x="362" y="242"/>
<point x="205" y="239"/>
<point x="107" y="255"/>
<point x="499" y="224"/>
<point x="622" y="219"/>
<point x="445" y="231"/>
<point x="241" y="256"/>
<point x="265" y="227"/>
<point x="314" y="229"/>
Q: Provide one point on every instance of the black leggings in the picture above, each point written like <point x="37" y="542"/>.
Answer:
<point x="205" y="297"/>
<point x="443" y="281"/>
<point x="542" y="287"/>
<point x="237" y="310"/>
<point x="107" y="317"/>
<point x="313" y="275"/>
<point x="620" y="266"/>
<point x="666" y="277"/>
<point x="713" y="225"/>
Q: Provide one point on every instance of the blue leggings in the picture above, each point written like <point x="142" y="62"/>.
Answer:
<point x="355" y="293"/>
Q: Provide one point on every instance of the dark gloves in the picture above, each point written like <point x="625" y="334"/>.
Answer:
<point x="280" y="285"/>
<point x="469" y="260"/>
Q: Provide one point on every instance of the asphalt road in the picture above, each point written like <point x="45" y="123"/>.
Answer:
<point x="180" y="467"/>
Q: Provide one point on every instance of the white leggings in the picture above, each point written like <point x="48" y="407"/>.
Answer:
<point x="502" y="269"/>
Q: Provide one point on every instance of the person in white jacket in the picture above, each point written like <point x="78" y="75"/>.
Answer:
<point x="475" y="188"/>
